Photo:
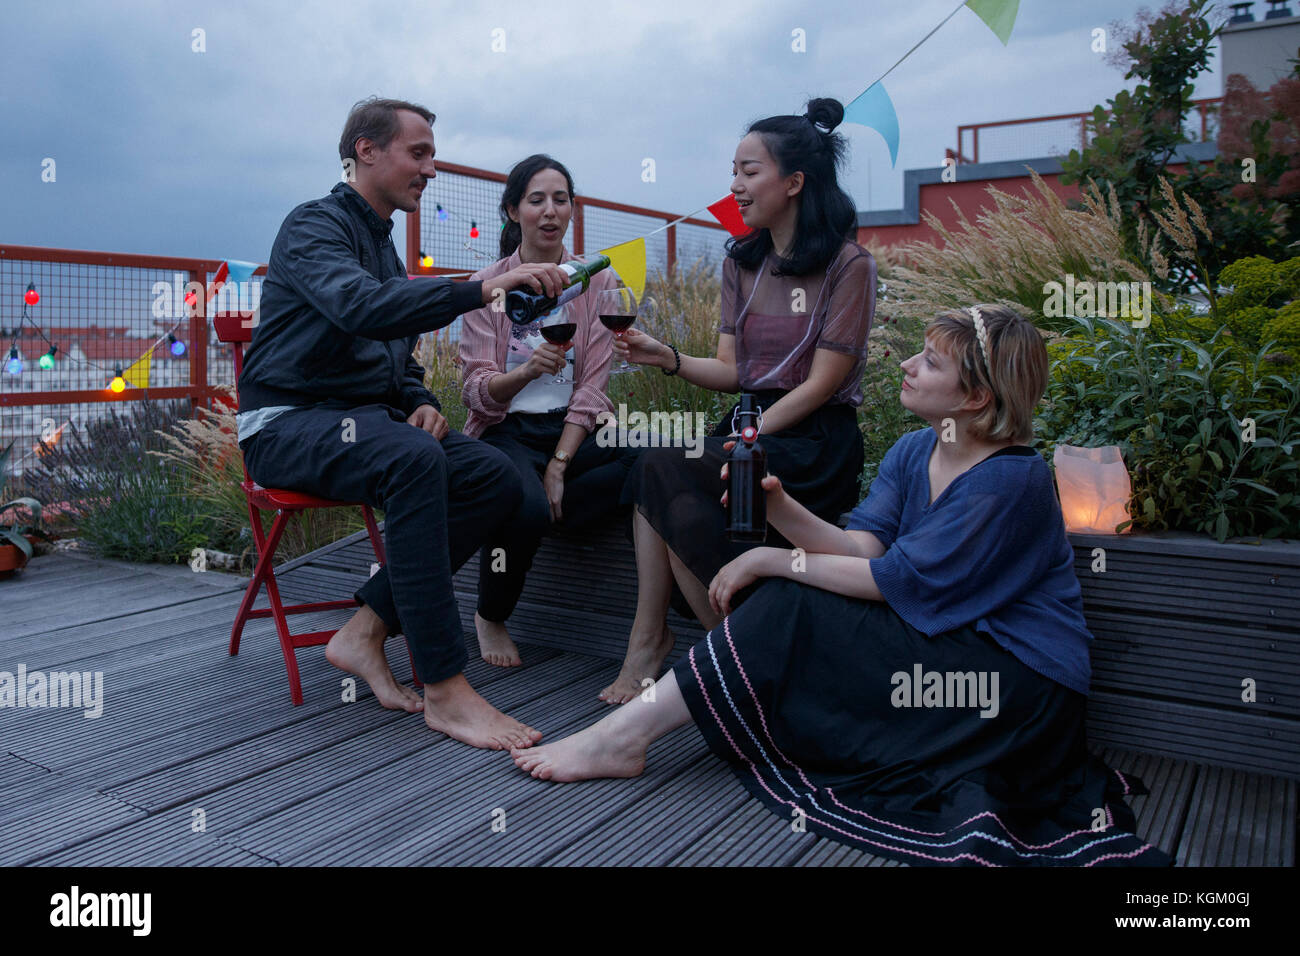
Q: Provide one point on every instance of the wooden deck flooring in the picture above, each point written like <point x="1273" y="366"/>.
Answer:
<point x="189" y="734"/>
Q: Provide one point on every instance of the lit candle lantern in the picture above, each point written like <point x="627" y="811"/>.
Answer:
<point x="1094" y="488"/>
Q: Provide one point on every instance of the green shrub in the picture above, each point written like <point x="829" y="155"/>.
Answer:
<point x="1180" y="412"/>
<point x="1255" y="281"/>
<point x="1284" y="327"/>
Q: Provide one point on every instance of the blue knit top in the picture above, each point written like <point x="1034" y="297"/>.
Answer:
<point x="990" y="551"/>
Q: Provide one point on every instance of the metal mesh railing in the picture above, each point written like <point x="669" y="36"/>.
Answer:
<point x="471" y="197"/>
<point x="465" y="200"/>
<point x="1043" y="136"/>
<point x="100" y="315"/>
<point x="106" y="313"/>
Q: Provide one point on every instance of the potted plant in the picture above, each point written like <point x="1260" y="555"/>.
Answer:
<point x="16" y="536"/>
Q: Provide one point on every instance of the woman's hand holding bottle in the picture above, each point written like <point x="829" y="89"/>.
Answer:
<point x="776" y="496"/>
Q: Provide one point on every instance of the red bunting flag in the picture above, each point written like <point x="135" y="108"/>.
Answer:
<point x="218" y="280"/>
<point x="728" y="213"/>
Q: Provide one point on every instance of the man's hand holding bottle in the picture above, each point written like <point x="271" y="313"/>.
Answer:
<point x="541" y="277"/>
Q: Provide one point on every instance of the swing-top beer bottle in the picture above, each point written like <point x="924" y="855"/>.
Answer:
<point x="746" y="500"/>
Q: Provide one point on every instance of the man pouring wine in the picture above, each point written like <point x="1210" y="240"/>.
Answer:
<point x="333" y="404"/>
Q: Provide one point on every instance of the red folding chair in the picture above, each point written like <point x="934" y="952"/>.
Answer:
<point x="231" y="327"/>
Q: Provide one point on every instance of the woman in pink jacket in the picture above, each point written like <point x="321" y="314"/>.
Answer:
<point x="545" y="426"/>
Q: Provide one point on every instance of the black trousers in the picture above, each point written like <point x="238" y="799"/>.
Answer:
<point x="441" y="500"/>
<point x="593" y="484"/>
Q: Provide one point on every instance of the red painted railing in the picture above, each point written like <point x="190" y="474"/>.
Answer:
<point x="1205" y="108"/>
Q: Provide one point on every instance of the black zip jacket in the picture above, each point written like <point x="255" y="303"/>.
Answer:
<point x="339" y="318"/>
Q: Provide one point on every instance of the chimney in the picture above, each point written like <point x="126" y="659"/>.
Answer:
<point x="1241" y="13"/>
<point x="1279" y="10"/>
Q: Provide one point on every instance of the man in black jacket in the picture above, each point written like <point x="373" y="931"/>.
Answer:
<point x="333" y="404"/>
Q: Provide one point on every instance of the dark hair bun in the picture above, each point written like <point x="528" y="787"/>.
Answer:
<point x="825" y="113"/>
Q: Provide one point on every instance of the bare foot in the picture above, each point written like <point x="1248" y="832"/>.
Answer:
<point x="358" y="648"/>
<point x="643" y="661"/>
<point x="494" y="643"/>
<point x="590" y="753"/>
<point x="454" y="708"/>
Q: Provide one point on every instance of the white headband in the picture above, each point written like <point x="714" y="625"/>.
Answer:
<point x="982" y="335"/>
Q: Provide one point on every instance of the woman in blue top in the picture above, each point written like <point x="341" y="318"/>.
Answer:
<point x="916" y="688"/>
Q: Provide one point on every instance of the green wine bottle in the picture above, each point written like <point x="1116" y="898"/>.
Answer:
<point x="522" y="306"/>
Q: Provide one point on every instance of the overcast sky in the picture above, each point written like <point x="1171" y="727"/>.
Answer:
<point x="160" y="149"/>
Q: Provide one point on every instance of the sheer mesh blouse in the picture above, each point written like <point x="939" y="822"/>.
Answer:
<point x="780" y="321"/>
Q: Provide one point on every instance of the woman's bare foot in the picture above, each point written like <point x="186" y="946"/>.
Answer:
<point x="494" y="643"/>
<point x="454" y="708"/>
<point x="644" y="660"/>
<point x="358" y="648"/>
<point x="590" y="753"/>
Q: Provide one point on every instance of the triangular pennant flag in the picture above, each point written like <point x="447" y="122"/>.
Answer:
<point x="240" y="271"/>
<point x="138" y="373"/>
<point x="628" y="260"/>
<point x="218" y="280"/>
<point x="875" y="110"/>
<point x="728" y="213"/>
<point x="1000" y="15"/>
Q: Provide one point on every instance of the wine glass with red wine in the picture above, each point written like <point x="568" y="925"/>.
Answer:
<point x="617" y="309"/>
<point x="557" y="329"/>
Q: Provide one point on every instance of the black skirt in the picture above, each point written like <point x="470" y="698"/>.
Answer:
<point x="825" y="708"/>
<point x="819" y="461"/>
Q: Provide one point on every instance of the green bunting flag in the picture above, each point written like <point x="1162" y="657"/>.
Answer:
<point x="1000" y="15"/>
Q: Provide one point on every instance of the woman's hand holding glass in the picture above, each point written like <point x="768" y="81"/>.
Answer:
<point x="639" y="348"/>
<point x="617" y="309"/>
<point x="547" y="359"/>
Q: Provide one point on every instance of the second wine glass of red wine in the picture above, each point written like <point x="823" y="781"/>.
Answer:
<point x="617" y="309"/>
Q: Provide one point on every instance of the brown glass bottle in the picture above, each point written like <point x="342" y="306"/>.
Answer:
<point x="746" y="499"/>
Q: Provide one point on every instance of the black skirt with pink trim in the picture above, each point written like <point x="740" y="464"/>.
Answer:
<point x="846" y="721"/>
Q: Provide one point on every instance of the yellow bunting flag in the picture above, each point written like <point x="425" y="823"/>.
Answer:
<point x="1000" y="15"/>
<point x="138" y="374"/>
<point x="628" y="260"/>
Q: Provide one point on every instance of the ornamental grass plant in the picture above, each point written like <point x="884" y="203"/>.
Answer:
<point x="124" y="502"/>
<point x="205" y="452"/>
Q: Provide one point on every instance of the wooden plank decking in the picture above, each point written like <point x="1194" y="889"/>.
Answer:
<point x="190" y="734"/>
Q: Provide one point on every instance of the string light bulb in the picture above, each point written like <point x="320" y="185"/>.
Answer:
<point x="426" y="260"/>
<point x="176" y="345"/>
<point x="118" y="385"/>
<point x="47" y="360"/>
<point x="442" y="213"/>
<point x="14" y="364"/>
<point x="473" y="229"/>
<point x="31" y="296"/>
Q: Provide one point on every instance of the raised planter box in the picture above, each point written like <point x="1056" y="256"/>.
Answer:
<point x="1187" y="631"/>
<point x="1180" y="622"/>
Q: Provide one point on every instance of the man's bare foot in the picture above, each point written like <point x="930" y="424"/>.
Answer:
<point x="644" y="660"/>
<point x="590" y="753"/>
<point x="494" y="643"/>
<point x="454" y="708"/>
<point x="358" y="648"/>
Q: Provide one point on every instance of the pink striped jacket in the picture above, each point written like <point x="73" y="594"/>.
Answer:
<point x="485" y="338"/>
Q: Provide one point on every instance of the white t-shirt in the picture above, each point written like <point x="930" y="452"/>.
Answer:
<point x="541" y="394"/>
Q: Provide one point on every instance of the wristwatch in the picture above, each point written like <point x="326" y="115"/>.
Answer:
<point x="561" y="456"/>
